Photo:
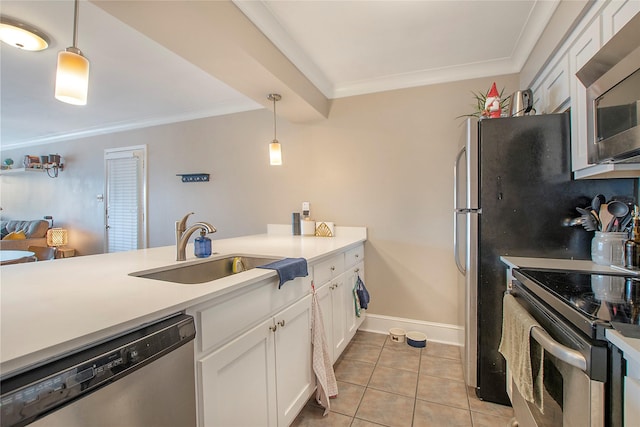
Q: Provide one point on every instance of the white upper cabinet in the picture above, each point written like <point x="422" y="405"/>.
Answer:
<point x="615" y="15"/>
<point x="556" y="87"/>
<point x="582" y="51"/>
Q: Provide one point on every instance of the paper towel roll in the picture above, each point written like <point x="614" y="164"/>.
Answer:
<point x="325" y="229"/>
<point x="308" y="227"/>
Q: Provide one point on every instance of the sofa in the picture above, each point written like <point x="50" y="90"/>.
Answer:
<point x="35" y="234"/>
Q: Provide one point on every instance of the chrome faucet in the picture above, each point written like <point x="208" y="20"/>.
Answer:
<point x="183" y="233"/>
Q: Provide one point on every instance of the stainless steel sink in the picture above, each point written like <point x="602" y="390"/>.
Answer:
<point x="202" y="271"/>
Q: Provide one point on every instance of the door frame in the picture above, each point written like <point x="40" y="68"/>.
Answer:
<point x="125" y="152"/>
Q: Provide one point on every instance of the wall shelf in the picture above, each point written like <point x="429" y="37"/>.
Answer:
<point x="19" y="170"/>
<point x="16" y="171"/>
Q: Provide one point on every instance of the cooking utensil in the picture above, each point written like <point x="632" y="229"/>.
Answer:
<point x="618" y="210"/>
<point x="624" y="223"/>
<point x="597" y="201"/>
<point x="605" y="217"/>
<point x="589" y="221"/>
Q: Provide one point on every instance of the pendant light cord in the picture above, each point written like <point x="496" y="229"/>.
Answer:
<point x="274" y="97"/>
<point x="274" y="119"/>
<point x="75" y="24"/>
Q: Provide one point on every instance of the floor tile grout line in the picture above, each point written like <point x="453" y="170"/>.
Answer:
<point x="415" y="399"/>
<point x="420" y="374"/>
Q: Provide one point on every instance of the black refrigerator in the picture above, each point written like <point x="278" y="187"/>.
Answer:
<point x="513" y="189"/>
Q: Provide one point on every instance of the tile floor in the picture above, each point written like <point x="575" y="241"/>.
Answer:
<point x="384" y="383"/>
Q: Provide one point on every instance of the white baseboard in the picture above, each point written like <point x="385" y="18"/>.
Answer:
<point x="437" y="332"/>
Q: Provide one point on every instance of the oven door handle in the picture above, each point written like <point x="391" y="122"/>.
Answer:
<point x="566" y="354"/>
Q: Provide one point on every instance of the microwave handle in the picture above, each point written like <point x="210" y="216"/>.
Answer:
<point x="566" y="354"/>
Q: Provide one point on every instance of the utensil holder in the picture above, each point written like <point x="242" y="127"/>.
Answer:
<point x="608" y="248"/>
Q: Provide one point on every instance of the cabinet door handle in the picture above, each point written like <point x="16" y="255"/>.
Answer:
<point x="273" y="328"/>
<point x="357" y="255"/>
<point x="333" y="268"/>
<point x="357" y="270"/>
<point x="281" y="323"/>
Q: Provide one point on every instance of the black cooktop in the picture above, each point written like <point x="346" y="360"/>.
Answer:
<point x="598" y="297"/>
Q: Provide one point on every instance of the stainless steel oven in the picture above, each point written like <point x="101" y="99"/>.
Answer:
<point x="581" y="371"/>
<point x="612" y="79"/>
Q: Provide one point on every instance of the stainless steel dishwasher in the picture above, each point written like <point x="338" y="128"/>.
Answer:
<point x="144" y="377"/>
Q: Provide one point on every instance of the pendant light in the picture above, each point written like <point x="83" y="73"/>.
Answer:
<point x="21" y="35"/>
<point x="72" y="76"/>
<point x="275" y="152"/>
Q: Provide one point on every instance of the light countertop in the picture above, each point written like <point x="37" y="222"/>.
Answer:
<point x="630" y="346"/>
<point x="48" y="308"/>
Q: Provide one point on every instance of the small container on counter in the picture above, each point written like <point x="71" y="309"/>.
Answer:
<point x="308" y="227"/>
<point x="202" y="245"/>
<point x="608" y="248"/>
<point x="295" y="223"/>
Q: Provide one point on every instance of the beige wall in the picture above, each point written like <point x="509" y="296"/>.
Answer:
<point x="382" y="160"/>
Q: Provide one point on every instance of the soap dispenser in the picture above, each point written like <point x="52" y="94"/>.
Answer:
<point x="202" y="245"/>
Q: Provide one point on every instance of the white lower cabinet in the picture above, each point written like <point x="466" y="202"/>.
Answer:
<point x="338" y="310"/>
<point x="254" y="367"/>
<point x="238" y="381"/>
<point x="332" y="305"/>
<point x="263" y="377"/>
<point x="352" y="321"/>
<point x="295" y="380"/>
<point x="631" y="406"/>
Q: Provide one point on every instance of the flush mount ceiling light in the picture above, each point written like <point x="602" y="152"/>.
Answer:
<point x="21" y="35"/>
<point x="72" y="75"/>
<point x="275" y="151"/>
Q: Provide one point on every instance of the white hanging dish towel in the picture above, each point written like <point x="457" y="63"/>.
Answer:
<point x="515" y="346"/>
<point x="327" y="387"/>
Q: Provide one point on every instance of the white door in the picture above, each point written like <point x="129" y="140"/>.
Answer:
<point x="295" y="379"/>
<point x="324" y="295"/>
<point x="125" y="190"/>
<point x="238" y="381"/>
<point x="339" y="291"/>
<point x="352" y="322"/>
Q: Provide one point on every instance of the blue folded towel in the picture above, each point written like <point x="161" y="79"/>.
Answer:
<point x="288" y="269"/>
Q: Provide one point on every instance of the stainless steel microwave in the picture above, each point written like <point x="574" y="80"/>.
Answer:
<point x="612" y="79"/>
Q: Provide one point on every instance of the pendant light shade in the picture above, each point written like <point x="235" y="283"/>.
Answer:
<point x="72" y="78"/>
<point x="72" y="75"/>
<point x="275" y="151"/>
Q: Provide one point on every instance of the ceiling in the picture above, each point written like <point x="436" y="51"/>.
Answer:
<point x="343" y="48"/>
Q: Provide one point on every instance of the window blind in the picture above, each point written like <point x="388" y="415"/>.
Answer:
<point x="124" y="201"/>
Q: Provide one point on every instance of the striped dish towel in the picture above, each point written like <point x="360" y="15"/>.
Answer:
<point x="327" y="387"/>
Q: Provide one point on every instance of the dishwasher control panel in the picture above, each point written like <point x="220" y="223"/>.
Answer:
<point x="38" y="391"/>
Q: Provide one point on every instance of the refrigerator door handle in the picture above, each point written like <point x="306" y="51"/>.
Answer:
<point x="457" y="211"/>
<point x="455" y="243"/>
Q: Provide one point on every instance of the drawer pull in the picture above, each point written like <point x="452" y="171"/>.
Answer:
<point x="333" y="268"/>
<point x="357" y="255"/>
<point x="281" y="323"/>
<point x="357" y="270"/>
